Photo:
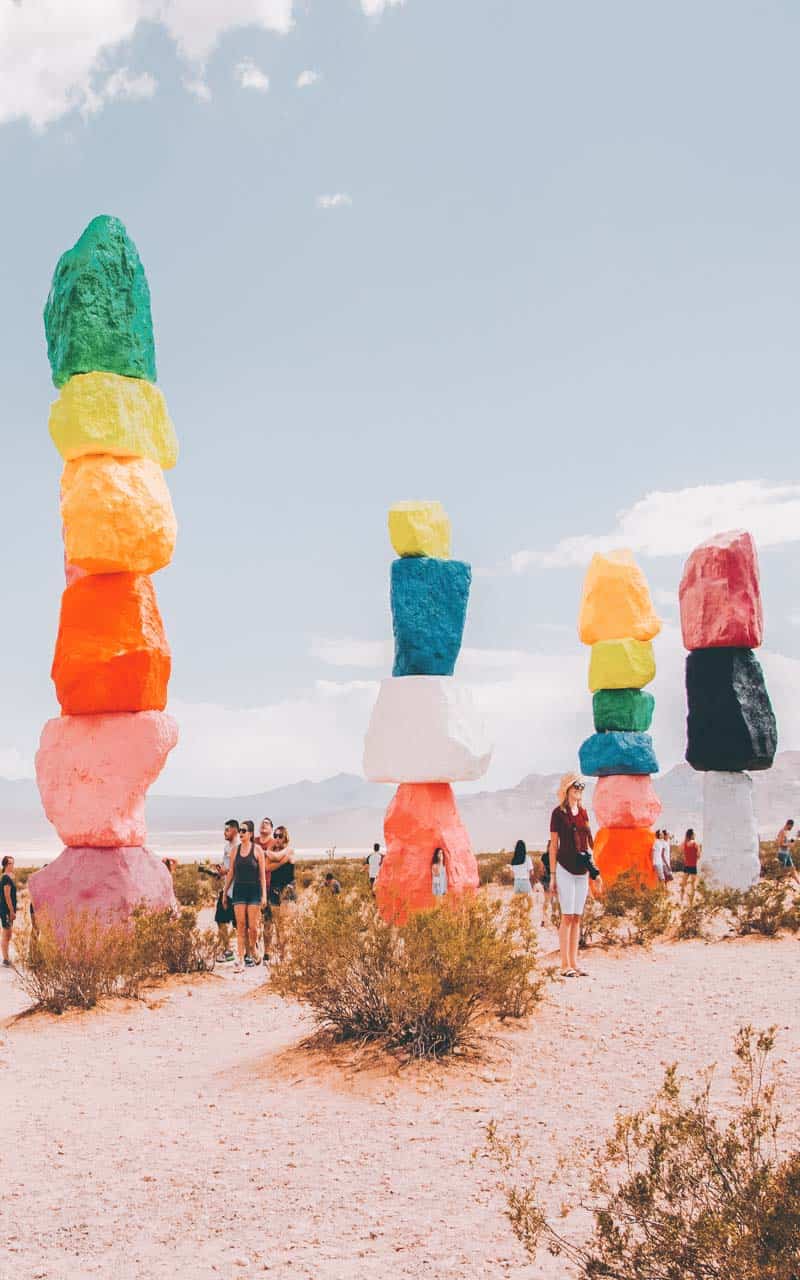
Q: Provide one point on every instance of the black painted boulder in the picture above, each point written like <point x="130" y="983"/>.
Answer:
<point x="731" y="724"/>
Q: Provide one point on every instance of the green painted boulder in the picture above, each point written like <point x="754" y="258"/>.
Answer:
<point x="97" y="316"/>
<point x="623" y="710"/>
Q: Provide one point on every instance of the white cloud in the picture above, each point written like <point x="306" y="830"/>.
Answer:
<point x="374" y="8"/>
<point x="340" y="200"/>
<point x="197" y="86"/>
<point x="251" y="76"/>
<point x="123" y="84"/>
<point x="672" y="523"/>
<point x="307" y="78"/>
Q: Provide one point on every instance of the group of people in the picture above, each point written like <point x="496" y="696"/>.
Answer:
<point x="256" y="886"/>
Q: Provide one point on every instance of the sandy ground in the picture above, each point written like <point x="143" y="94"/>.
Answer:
<point x="184" y="1136"/>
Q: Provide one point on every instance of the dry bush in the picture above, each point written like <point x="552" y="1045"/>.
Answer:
<point x="495" y="868"/>
<point x="193" y="888"/>
<point x="697" y="911"/>
<point x="679" y="1193"/>
<point x="766" y="908"/>
<point x="90" y="959"/>
<point x="422" y="988"/>
<point x="628" y="913"/>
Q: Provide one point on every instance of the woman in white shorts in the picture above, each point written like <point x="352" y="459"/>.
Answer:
<point x="570" y="844"/>
<point x="521" y="867"/>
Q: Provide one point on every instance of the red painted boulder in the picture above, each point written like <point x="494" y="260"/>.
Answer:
<point x="617" y="850"/>
<point x="104" y="882"/>
<point x="626" y="801"/>
<point x="720" y="594"/>
<point x="111" y="651"/>
<point x="422" y="817"/>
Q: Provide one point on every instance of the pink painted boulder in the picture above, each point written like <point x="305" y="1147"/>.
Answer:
<point x="422" y="817"/>
<point x="106" y="882"/>
<point x="93" y="773"/>
<point x="720" y="594"/>
<point x="626" y="801"/>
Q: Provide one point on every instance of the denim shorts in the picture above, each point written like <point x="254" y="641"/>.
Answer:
<point x="246" y="897"/>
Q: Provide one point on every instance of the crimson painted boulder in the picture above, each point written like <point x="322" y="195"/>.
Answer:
<point x="111" y="651"/>
<point x="104" y="882"/>
<point x="720" y="594"/>
<point x="626" y="801"/>
<point x="620" y="849"/>
<point x="422" y="817"/>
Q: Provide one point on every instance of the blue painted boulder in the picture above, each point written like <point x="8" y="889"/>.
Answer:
<point x="609" y="753"/>
<point x="429" y="606"/>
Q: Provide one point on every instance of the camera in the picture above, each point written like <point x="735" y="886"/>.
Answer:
<point x="586" y="860"/>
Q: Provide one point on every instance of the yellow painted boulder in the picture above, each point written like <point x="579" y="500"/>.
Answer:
<point x="109" y="413"/>
<point x="117" y="515"/>
<point x="621" y="664"/>
<point x="616" y="601"/>
<point x="420" y="529"/>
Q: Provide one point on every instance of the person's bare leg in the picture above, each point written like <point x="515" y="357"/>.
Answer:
<point x="252" y="930"/>
<point x="240" y="911"/>
<point x="563" y="941"/>
<point x="574" y="938"/>
<point x="5" y="942"/>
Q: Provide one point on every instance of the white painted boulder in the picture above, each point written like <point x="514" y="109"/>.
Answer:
<point x="730" y="834"/>
<point x="425" y="729"/>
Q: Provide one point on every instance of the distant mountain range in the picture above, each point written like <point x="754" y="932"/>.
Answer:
<point x="348" y="812"/>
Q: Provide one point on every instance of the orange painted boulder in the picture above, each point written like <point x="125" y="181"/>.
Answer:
<point x="620" y="849"/>
<point x="108" y="883"/>
<point x="111" y="651"/>
<point x="626" y="800"/>
<point x="117" y="515"/>
<point x="616" y="602"/>
<point x="422" y="817"/>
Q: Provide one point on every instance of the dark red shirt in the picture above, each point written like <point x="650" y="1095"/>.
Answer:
<point x="573" y="837"/>
<point x="690" y="853"/>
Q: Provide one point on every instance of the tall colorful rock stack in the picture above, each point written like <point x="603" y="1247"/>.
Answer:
<point x="618" y="620"/>
<point x="731" y="725"/>
<point x="424" y="732"/>
<point x="112" y="662"/>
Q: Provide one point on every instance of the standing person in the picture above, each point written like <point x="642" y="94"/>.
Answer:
<point x="374" y="863"/>
<point x="783" y="841"/>
<point x="661" y="862"/>
<point x="249" y="894"/>
<point x="265" y="841"/>
<point x="691" y="855"/>
<point x="546" y="882"/>
<point x="280" y="862"/>
<point x="8" y="908"/>
<point x="521" y="867"/>
<point x="438" y="874"/>
<point x="224" y="913"/>
<point x="571" y="842"/>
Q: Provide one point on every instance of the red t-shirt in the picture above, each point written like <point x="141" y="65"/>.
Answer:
<point x="690" y="853"/>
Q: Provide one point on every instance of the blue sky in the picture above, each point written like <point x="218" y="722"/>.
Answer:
<point x="559" y="290"/>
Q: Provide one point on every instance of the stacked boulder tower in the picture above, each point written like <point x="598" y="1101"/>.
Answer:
<point x="112" y="662"/>
<point x="424" y="733"/>
<point x="618" y="620"/>
<point x="731" y="727"/>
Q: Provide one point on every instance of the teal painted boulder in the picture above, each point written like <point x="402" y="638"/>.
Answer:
<point x="97" y="315"/>
<point x="626" y="710"/>
<point x="429" y="607"/>
<point x="608" y="753"/>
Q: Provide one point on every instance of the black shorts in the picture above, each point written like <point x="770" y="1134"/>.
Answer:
<point x="277" y="897"/>
<point x="246" y="896"/>
<point x="690" y="871"/>
<point x="223" y="915"/>
<point x="5" y="920"/>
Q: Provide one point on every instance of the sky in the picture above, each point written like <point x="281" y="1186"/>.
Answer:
<point x="538" y="261"/>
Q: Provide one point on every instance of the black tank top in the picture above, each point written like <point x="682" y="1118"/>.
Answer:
<point x="245" y="873"/>
<point x="282" y="875"/>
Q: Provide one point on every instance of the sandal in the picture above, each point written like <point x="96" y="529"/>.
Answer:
<point x="568" y="973"/>
<point x="581" y="973"/>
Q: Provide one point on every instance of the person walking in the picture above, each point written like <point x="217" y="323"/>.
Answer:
<point x="280" y="864"/>
<point x="783" y="841"/>
<point x="374" y="861"/>
<point x="224" y="915"/>
<point x="249" y="896"/>
<point x="690" y="853"/>
<point x="438" y="874"/>
<point x="521" y="868"/>
<point x="571" y="842"/>
<point x="8" y="908"/>
<point x="265" y="841"/>
<point x="661" y="862"/>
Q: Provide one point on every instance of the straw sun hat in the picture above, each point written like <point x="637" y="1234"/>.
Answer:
<point x="568" y="780"/>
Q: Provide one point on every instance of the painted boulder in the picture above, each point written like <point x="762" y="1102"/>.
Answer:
<point x="422" y="817"/>
<point x="111" y="652"/>
<point x="429" y="608"/>
<point x="625" y="753"/>
<point x="616" y="601"/>
<point x="626" y="800"/>
<point x="720" y="594"/>
<point x="626" y="710"/>
<point x="97" y="314"/>
<point x="618" y="850"/>
<point x="621" y="664"/>
<point x="731" y="725"/>
<point x="117" y="515"/>
<point x="420" y="529"/>
<point x="93" y="773"/>
<point x="730" y="832"/>
<point x="107" y="883"/>
<point x="108" y="413"/>
<point x="425" y="729"/>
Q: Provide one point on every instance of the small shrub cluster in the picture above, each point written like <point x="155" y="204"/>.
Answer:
<point x="422" y="988"/>
<point x="194" y="888"/>
<point x="495" y="868"/>
<point x="768" y="908"/>
<point x="89" y="959"/>
<point x="677" y="1191"/>
<point x="628" y="913"/>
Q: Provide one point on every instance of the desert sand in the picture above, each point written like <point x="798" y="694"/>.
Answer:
<point x="187" y="1135"/>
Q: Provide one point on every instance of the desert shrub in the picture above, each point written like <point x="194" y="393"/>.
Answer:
<point x="766" y="908"/>
<point x="89" y="959"/>
<point x="495" y="868"/>
<point x="678" y="1192"/>
<point x="421" y="988"/>
<point x="193" y="888"/>
<point x="23" y="874"/>
<point x="628" y="913"/>
<point x="698" y="910"/>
